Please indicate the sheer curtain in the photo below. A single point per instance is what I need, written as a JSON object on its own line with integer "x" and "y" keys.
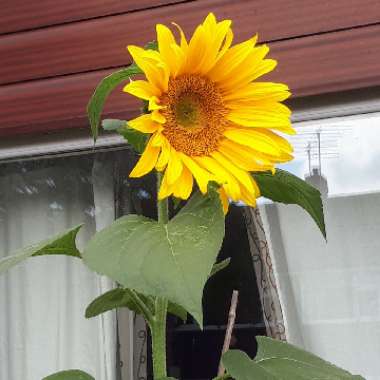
{"x": 42, "y": 301}
{"x": 330, "y": 292}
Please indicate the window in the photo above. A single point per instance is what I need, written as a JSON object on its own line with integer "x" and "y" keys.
{"x": 330, "y": 291}
{"x": 323, "y": 297}
{"x": 195, "y": 354}
{"x": 42, "y": 324}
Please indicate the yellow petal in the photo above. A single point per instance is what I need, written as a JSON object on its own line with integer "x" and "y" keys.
{"x": 249, "y": 198}
{"x": 197, "y": 46}
{"x": 184, "y": 185}
{"x": 231, "y": 59}
{"x": 163, "y": 159}
{"x": 203, "y": 46}
{"x": 158, "y": 116}
{"x": 201, "y": 175}
{"x": 154, "y": 104}
{"x": 241, "y": 175}
{"x": 209, "y": 22}
{"x": 221, "y": 174}
{"x": 158, "y": 140}
{"x": 165, "y": 189}
{"x": 166, "y": 46}
{"x": 255, "y": 107}
{"x": 242, "y": 156}
{"x": 262, "y": 68}
{"x": 281, "y": 142}
{"x": 156, "y": 71}
{"x": 144, "y": 123}
{"x": 184, "y": 44}
{"x": 250, "y": 68}
{"x": 224, "y": 200}
{"x": 141, "y": 89}
{"x": 258, "y": 91}
{"x": 257, "y": 117}
{"x": 226, "y": 45}
{"x": 174, "y": 168}
{"x": 253, "y": 139}
{"x": 146, "y": 162}
{"x": 181, "y": 59}
{"x": 219, "y": 33}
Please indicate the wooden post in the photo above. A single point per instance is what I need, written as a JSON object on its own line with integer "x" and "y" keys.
{"x": 230, "y": 326}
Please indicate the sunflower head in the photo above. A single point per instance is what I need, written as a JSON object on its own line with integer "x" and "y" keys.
{"x": 209, "y": 118}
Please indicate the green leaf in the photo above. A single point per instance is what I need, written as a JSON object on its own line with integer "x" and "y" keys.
{"x": 285, "y": 360}
{"x": 177, "y": 310}
{"x": 286, "y": 188}
{"x": 113, "y": 124}
{"x": 111, "y": 300}
{"x": 134, "y": 138}
{"x": 120, "y": 297}
{"x": 152, "y": 45}
{"x": 170, "y": 260}
{"x": 241, "y": 367}
{"x": 72, "y": 374}
{"x": 277, "y": 360}
{"x": 219, "y": 266}
{"x": 104, "y": 88}
{"x": 223, "y": 377}
{"x": 62, "y": 244}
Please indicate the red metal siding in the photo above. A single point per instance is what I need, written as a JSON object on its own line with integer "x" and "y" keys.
{"x": 49, "y": 73}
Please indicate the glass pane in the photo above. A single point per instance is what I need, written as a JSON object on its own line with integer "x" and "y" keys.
{"x": 42, "y": 300}
{"x": 195, "y": 354}
{"x": 331, "y": 291}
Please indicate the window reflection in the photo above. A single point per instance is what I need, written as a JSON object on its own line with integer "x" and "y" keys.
{"x": 330, "y": 292}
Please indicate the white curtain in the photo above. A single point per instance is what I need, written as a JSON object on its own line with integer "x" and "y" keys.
{"x": 330, "y": 293}
{"x": 42, "y": 301}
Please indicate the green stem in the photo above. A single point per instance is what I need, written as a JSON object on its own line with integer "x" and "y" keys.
{"x": 162, "y": 205}
{"x": 158, "y": 324}
{"x": 141, "y": 305}
{"x": 158, "y": 330}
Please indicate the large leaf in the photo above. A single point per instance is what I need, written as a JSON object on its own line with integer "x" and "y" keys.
{"x": 104, "y": 88}
{"x": 113, "y": 124}
{"x": 62, "y": 244}
{"x": 241, "y": 367}
{"x": 170, "y": 260}
{"x": 111, "y": 300}
{"x": 286, "y": 188}
{"x": 72, "y": 374}
{"x": 217, "y": 267}
{"x": 277, "y": 360}
{"x": 152, "y": 45}
{"x": 120, "y": 297}
{"x": 134, "y": 138}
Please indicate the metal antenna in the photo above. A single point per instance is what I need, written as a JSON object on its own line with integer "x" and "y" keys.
{"x": 308, "y": 149}
{"x": 319, "y": 151}
{"x": 316, "y": 141}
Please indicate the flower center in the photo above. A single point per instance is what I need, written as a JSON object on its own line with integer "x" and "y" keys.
{"x": 195, "y": 115}
{"x": 187, "y": 112}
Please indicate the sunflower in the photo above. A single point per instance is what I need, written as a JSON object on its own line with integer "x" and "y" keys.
{"x": 208, "y": 119}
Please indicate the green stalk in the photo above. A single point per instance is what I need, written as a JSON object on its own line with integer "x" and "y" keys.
{"x": 158, "y": 330}
{"x": 158, "y": 324}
